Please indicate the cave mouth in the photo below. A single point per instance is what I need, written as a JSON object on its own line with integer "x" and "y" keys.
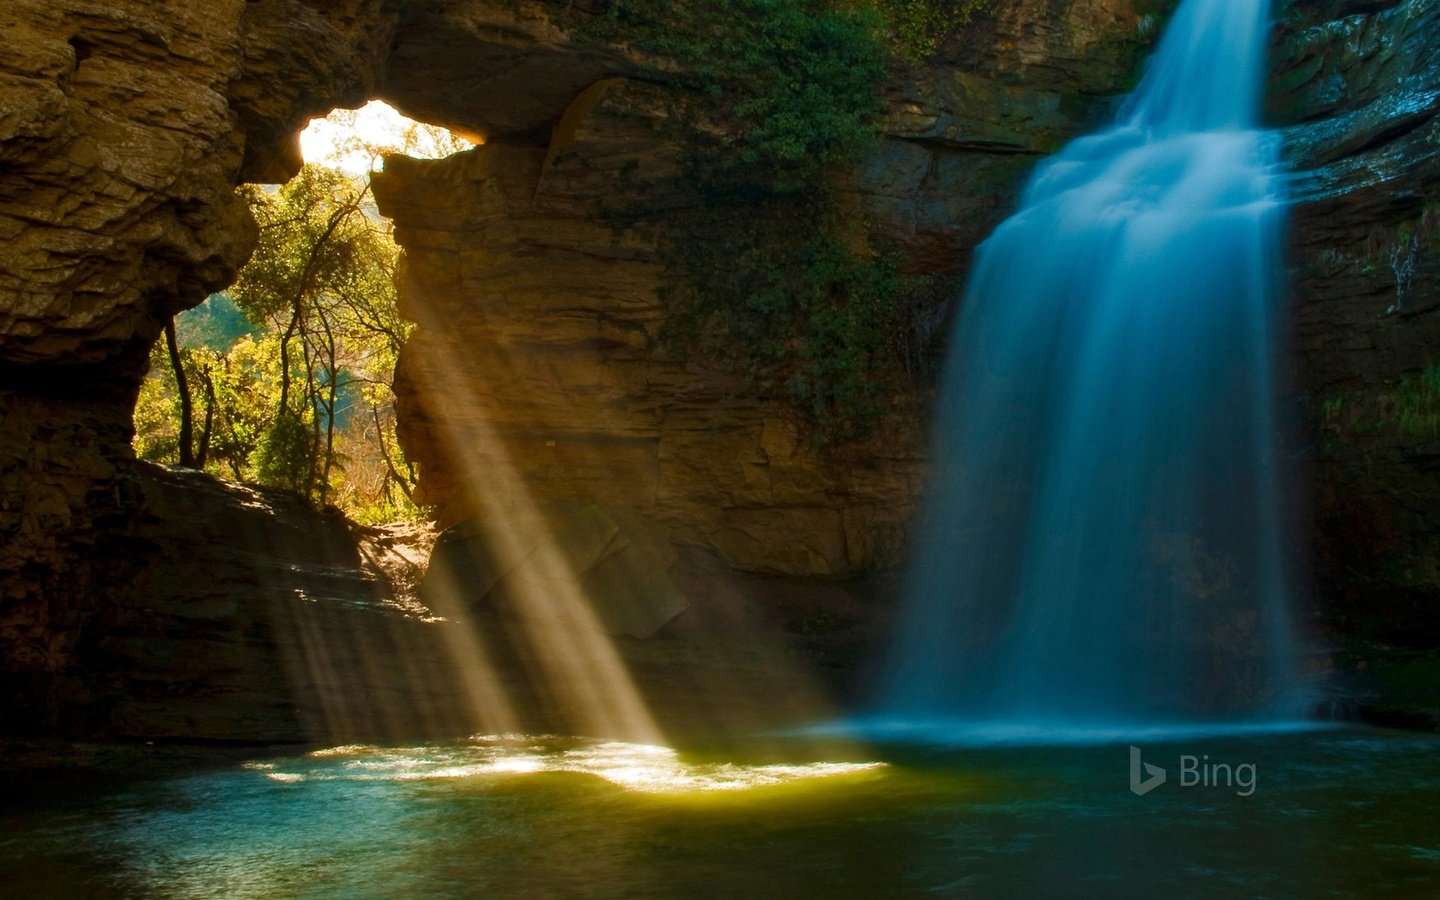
{"x": 283, "y": 378}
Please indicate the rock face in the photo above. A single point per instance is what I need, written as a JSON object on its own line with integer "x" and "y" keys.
{"x": 124, "y": 127}
{"x": 621, "y": 566}
{"x": 536, "y": 380}
{"x": 123, "y": 130}
{"x": 534, "y": 386}
{"x": 1359, "y": 88}
{"x": 246, "y": 616}
{"x": 230, "y": 614}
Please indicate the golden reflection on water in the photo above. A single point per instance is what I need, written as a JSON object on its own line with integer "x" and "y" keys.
{"x": 644, "y": 768}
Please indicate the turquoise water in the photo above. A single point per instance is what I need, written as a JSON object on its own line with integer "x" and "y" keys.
{"x": 1334, "y": 813}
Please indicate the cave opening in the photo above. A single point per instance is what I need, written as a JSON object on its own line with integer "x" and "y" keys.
{"x": 284, "y": 378}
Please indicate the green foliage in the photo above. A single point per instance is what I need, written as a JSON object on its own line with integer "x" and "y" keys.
{"x": 317, "y": 240}
{"x": 287, "y": 454}
{"x": 780, "y": 89}
{"x": 375, "y": 482}
{"x": 916, "y": 28}
{"x": 1417, "y": 404}
{"x": 234, "y": 393}
{"x": 157, "y": 412}
{"x": 241, "y": 385}
{"x": 322, "y": 281}
{"x": 848, "y": 307}
{"x": 773, "y": 281}
{"x": 804, "y": 82}
{"x": 1330, "y": 409}
{"x": 783, "y": 294}
{"x": 215, "y": 324}
{"x": 290, "y": 373}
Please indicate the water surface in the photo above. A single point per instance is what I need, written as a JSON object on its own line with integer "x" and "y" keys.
{"x": 1333, "y": 813}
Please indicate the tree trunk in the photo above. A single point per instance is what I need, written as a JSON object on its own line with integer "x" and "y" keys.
{"x": 203, "y": 452}
{"x": 313, "y": 404}
{"x": 400, "y": 480}
{"x": 187, "y": 412}
{"x": 284, "y": 404}
{"x": 331, "y": 392}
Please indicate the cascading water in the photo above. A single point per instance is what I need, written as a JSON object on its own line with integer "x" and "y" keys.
{"x": 1102, "y": 539}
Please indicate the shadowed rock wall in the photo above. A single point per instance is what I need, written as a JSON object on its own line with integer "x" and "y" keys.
{"x": 1357, "y": 86}
{"x": 124, "y": 127}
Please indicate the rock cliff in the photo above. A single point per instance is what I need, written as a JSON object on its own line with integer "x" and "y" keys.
{"x": 1357, "y": 88}
{"x": 537, "y": 379}
{"x": 124, "y": 127}
{"x": 535, "y": 385}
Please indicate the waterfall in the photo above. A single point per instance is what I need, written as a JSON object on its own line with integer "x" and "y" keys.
{"x": 1102, "y": 538}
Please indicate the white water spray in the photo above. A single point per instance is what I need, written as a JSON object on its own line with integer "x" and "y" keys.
{"x": 1102, "y": 542}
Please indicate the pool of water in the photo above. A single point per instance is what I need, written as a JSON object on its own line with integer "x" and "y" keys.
{"x": 1335, "y": 812}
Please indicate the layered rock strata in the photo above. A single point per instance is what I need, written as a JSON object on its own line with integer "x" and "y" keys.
{"x": 124, "y": 127}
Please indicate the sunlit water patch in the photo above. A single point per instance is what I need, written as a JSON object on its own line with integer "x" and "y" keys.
{"x": 639, "y": 767}
{"x": 1337, "y": 813}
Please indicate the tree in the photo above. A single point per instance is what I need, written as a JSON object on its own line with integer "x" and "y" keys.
{"x": 322, "y": 279}
{"x": 293, "y": 366}
{"x": 238, "y": 388}
{"x": 182, "y": 388}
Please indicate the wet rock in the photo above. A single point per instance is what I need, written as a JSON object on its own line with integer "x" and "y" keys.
{"x": 1357, "y": 89}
